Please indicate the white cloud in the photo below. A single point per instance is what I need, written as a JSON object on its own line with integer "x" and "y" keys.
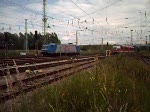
{"x": 65, "y": 13}
{"x": 35, "y": 6}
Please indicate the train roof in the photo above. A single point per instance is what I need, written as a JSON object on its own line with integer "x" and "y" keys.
{"x": 141, "y": 45}
{"x": 125, "y": 46}
{"x": 58, "y": 44}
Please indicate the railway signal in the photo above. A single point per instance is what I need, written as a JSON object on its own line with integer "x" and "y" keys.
{"x": 36, "y": 43}
{"x": 35, "y": 35}
{"x": 107, "y": 43}
{"x": 108, "y": 52}
{"x": 6, "y": 38}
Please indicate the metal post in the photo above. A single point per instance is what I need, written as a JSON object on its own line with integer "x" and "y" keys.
{"x": 36, "y": 43}
{"x": 131, "y": 38}
{"x": 60, "y": 51}
{"x": 141, "y": 17}
{"x": 77, "y": 36}
{"x": 102, "y": 44}
{"x": 146, "y": 40}
{"x": 149, "y": 43}
{"x": 26, "y": 42}
{"x": 6, "y": 45}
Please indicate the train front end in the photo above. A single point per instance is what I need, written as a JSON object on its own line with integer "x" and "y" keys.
{"x": 44, "y": 50}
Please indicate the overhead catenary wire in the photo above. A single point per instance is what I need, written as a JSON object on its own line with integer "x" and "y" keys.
{"x": 101, "y": 8}
{"x": 32, "y": 11}
{"x": 87, "y": 24}
{"x": 85, "y": 12}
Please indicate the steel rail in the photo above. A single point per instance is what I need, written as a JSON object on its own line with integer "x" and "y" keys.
{"x": 33, "y": 82}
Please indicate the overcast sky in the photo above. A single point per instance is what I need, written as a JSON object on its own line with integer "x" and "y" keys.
{"x": 111, "y": 20}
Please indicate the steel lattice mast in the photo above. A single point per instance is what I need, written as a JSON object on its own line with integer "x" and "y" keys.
{"x": 44, "y": 20}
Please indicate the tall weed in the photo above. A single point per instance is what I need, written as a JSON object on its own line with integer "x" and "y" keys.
{"x": 117, "y": 84}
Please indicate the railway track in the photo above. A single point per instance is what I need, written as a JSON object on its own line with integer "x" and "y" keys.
{"x": 9, "y": 63}
{"x": 146, "y": 59}
{"x": 25, "y": 78}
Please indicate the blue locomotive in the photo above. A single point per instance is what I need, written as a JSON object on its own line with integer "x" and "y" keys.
{"x": 60, "y": 49}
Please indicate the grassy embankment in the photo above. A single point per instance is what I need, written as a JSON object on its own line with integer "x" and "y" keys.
{"x": 118, "y": 84}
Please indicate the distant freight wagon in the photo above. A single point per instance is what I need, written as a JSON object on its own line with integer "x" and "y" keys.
{"x": 53, "y": 49}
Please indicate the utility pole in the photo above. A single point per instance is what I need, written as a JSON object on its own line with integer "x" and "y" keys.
{"x": 77, "y": 36}
{"x": 26, "y": 42}
{"x": 44, "y": 20}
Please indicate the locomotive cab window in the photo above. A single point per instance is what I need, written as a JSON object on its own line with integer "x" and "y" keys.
{"x": 44, "y": 46}
{"x": 116, "y": 47}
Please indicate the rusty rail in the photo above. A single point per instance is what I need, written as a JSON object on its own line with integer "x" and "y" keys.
{"x": 52, "y": 71}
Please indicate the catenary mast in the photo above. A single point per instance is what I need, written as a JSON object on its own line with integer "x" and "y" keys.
{"x": 44, "y": 20}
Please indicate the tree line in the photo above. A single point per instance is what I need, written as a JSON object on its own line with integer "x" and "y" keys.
{"x": 17, "y": 41}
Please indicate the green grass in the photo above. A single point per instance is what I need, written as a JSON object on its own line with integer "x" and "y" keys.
{"x": 118, "y": 84}
{"x": 145, "y": 52}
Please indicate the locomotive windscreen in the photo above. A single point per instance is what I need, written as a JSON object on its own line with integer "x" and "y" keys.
{"x": 45, "y": 47}
{"x": 116, "y": 47}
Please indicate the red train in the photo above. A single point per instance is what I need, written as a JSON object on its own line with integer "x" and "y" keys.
{"x": 122, "y": 48}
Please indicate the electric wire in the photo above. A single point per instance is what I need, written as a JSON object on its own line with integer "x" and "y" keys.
{"x": 93, "y": 13}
